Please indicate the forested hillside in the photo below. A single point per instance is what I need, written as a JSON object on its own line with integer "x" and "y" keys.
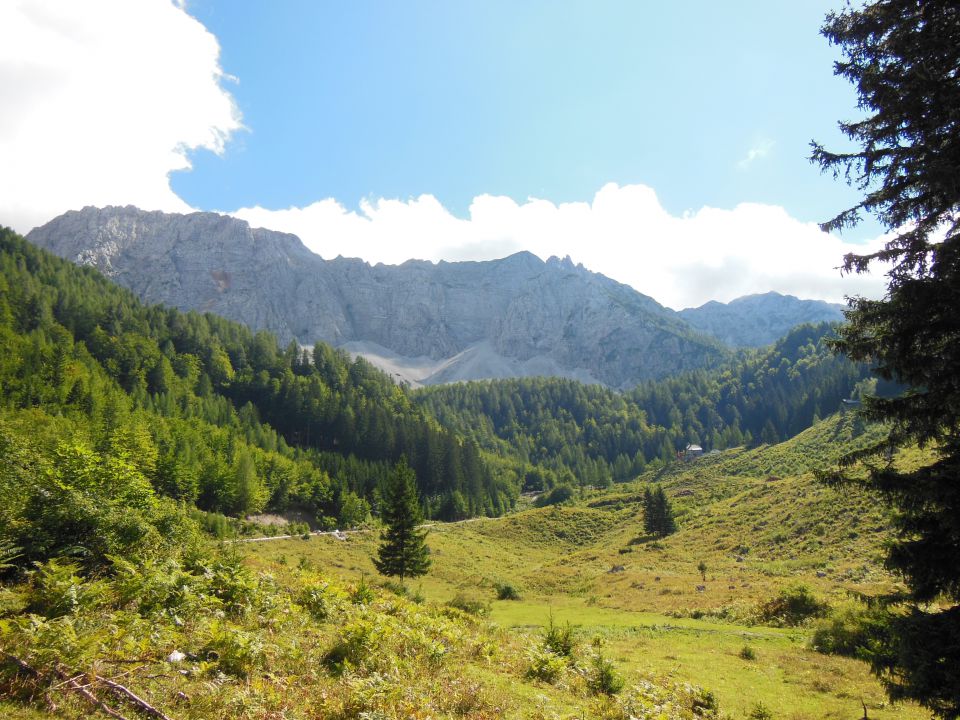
{"x": 596, "y": 435}
{"x": 208, "y": 412}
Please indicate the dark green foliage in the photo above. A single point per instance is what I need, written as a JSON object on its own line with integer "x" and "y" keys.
{"x": 553, "y": 431}
{"x": 183, "y": 401}
{"x": 853, "y": 631}
{"x": 902, "y": 56}
{"x": 657, "y": 513}
{"x": 556, "y": 496}
{"x": 403, "y": 551}
{"x": 793, "y": 606}
{"x": 506, "y": 591}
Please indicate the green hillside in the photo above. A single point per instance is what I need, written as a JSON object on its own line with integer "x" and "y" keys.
{"x": 759, "y": 534}
{"x": 209, "y": 412}
{"x": 127, "y": 431}
{"x": 300, "y": 628}
{"x": 562, "y": 431}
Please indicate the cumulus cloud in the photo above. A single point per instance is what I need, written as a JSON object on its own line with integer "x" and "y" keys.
{"x": 624, "y": 233}
{"x": 100, "y": 101}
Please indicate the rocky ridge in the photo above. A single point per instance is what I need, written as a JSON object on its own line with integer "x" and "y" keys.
{"x": 758, "y": 320}
{"x": 514, "y": 316}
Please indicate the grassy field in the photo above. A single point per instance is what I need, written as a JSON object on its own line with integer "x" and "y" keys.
{"x": 304, "y": 629}
{"x": 757, "y": 519}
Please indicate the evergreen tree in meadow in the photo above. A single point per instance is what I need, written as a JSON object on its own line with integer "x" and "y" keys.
{"x": 904, "y": 58}
{"x": 403, "y": 551}
{"x": 657, "y": 513}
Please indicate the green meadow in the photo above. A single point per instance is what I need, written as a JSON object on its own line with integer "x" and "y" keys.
{"x": 758, "y": 521}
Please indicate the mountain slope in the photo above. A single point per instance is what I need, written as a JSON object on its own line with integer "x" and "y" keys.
{"x": 758, "y": 320}
{"x": 518, "y": 315}
{"x": 764, "y": 395}
{"x": 198, "y": 392}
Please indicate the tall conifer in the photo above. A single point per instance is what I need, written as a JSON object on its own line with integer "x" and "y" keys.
{"x": 403, "y": 551}
{"x": 904, "y": 58}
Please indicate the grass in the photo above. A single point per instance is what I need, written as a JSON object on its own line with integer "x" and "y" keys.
{"x": 756, "y": 518}
{"x": 309, "y": 644}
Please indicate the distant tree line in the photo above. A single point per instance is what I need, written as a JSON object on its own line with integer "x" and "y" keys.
{"x": 558, "y": 431}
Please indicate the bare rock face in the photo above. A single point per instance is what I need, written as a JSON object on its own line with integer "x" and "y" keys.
{"x": 518, "y": 315}
{"x": 758, "y": 320}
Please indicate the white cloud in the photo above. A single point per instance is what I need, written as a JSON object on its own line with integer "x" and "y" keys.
{"x": 100, "y": 101}
{"x": 758, "y": 151}
{"x": 624, "y": 233}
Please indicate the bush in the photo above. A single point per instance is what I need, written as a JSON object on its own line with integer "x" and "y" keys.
{"x": 603, "y": 679}
{"x": 546, "y": 665}
{"x": 56, "y": 589}
{"x": 792, "y": 607}
{"x": 236, "y": 652}
{"x": 705, "y": 704}
{"x": 352, "y": 648}
{"x": 559, "y": 640}
{"x": 747, "y": 653}
{"x": 317, "y": 600}
{"x": 506, "y": 591}
{"x": 853, "y": 631}
{"x": 362, "y": 593}
{"x": 760, "y": 712}
{"x": 469, "y": 605}
{"x": 560, "y": 494}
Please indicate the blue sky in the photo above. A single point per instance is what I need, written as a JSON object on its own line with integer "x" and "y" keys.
{"x": 662, "y": 144}
{"x": 545, "y": 99}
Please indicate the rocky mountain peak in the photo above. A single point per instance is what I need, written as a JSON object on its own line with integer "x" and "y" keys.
{"x": 514, "y": 316}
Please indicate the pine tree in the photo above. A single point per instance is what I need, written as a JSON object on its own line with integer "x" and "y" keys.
{"x": 657, "y": 513}
{"x": 403, "y": 551}
{"x": 666, "y": 525}
{"x": 649, "y": 522}
{"x": 903, "y": 56}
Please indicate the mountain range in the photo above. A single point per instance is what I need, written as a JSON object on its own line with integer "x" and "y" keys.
{"x": 424, "y": 323}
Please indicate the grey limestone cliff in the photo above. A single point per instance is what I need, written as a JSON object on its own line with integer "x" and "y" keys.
{"x": 757, "y": 320}
{"x": 515, "y": 316}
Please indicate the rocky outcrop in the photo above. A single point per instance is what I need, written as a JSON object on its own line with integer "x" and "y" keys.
{"x": 758, "y": 320}
{"x": 518, "y": 315}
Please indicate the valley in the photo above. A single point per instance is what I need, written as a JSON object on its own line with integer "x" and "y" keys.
{"x": 645, "y": 600}
{"x": 137, "y": 438}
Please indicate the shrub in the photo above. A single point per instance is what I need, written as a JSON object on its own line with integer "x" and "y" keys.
{"x": 760, "y": 712}
{"x": 603, "y": 679}
{"x": 469, "y": 605}
{"x": 793, "y": 606}
{"x": 705, "y": 704}
{"x": 56, "y": 589}
{"x": 546, "y": 665}
{"x": 352, "y": 648}
{"x": 853, "y": 631}
{"x": 747, "y": 653}
{"x": 506, "y": 591}
{"x": 560, "y": 494}
{"x": 362, "y": 593}
{"x": 317, "y": 600}
{"x": 236, "y": 652}
{"x": 559, "y": 640}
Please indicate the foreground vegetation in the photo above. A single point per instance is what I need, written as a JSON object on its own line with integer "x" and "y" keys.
{"x": 557, "y": 612}
{"x": 785, "y": 560}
